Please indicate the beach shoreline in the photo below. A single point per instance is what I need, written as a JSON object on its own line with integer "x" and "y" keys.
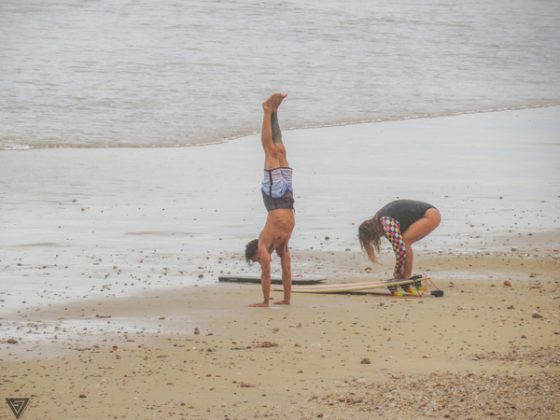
{"x": 110, "y": 259}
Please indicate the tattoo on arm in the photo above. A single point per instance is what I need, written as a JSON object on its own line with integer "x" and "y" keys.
{"x": 276, "y": 133}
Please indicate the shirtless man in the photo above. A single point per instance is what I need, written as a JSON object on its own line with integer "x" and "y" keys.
{"x": 278, "y": 199}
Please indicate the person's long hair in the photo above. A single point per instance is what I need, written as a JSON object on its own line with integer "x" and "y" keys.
{"x": 370, "y": 233}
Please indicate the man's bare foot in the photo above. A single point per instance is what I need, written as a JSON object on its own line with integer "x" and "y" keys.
{"x": 272, "y": 103}
{"x": 259, "y": 305}
{"x": 282, "y": 302}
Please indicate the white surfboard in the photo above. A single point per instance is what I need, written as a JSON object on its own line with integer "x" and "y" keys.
{"x": 349, "y": 287}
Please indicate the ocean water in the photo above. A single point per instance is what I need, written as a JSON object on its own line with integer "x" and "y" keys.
{"x": 123, "y": 73}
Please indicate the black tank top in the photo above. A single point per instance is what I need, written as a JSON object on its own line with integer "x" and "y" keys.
{"x": 406, "y": 212}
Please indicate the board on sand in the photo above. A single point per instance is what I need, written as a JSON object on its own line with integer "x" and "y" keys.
{"x": 275, "y": 280}
{"x": 351, "y": 287}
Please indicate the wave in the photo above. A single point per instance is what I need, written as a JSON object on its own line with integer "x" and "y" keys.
{"x": 239, "y": 133}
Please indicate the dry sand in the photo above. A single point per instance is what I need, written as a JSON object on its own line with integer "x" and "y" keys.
{"x": 485, "y": 349}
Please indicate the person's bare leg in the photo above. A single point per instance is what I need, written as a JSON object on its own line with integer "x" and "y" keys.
{"x": 271, "y": 136}
{"x": 409, "y": 261}
{"x": 277, "y": 140}
{"x": 274, "y": 101}
{"x": 418, "y": 230}
{"x": 276, "y": 133}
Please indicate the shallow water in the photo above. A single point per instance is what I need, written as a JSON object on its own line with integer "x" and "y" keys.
{"x": 141, "y": 73}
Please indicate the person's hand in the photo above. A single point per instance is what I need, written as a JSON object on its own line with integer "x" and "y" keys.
{"x": 259, "y": 305}
{"x": 282, "y": 302}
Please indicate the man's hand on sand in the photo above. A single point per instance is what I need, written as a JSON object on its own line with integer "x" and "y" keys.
{"x": 266, "y": 305}
{"x": 259, "y": 305}
{"x": 272, "y": 103}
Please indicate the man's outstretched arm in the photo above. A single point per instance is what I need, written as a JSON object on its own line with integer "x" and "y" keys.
{"x": 286, "y": 262}
{"x": 264, "y": 260}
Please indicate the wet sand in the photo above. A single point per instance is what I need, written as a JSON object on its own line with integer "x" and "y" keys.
{"x": 489, "y": 348}
{"x": 110, "y": 258}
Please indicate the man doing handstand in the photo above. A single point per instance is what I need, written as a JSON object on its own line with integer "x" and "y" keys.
{"x": 278, "y": 199}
